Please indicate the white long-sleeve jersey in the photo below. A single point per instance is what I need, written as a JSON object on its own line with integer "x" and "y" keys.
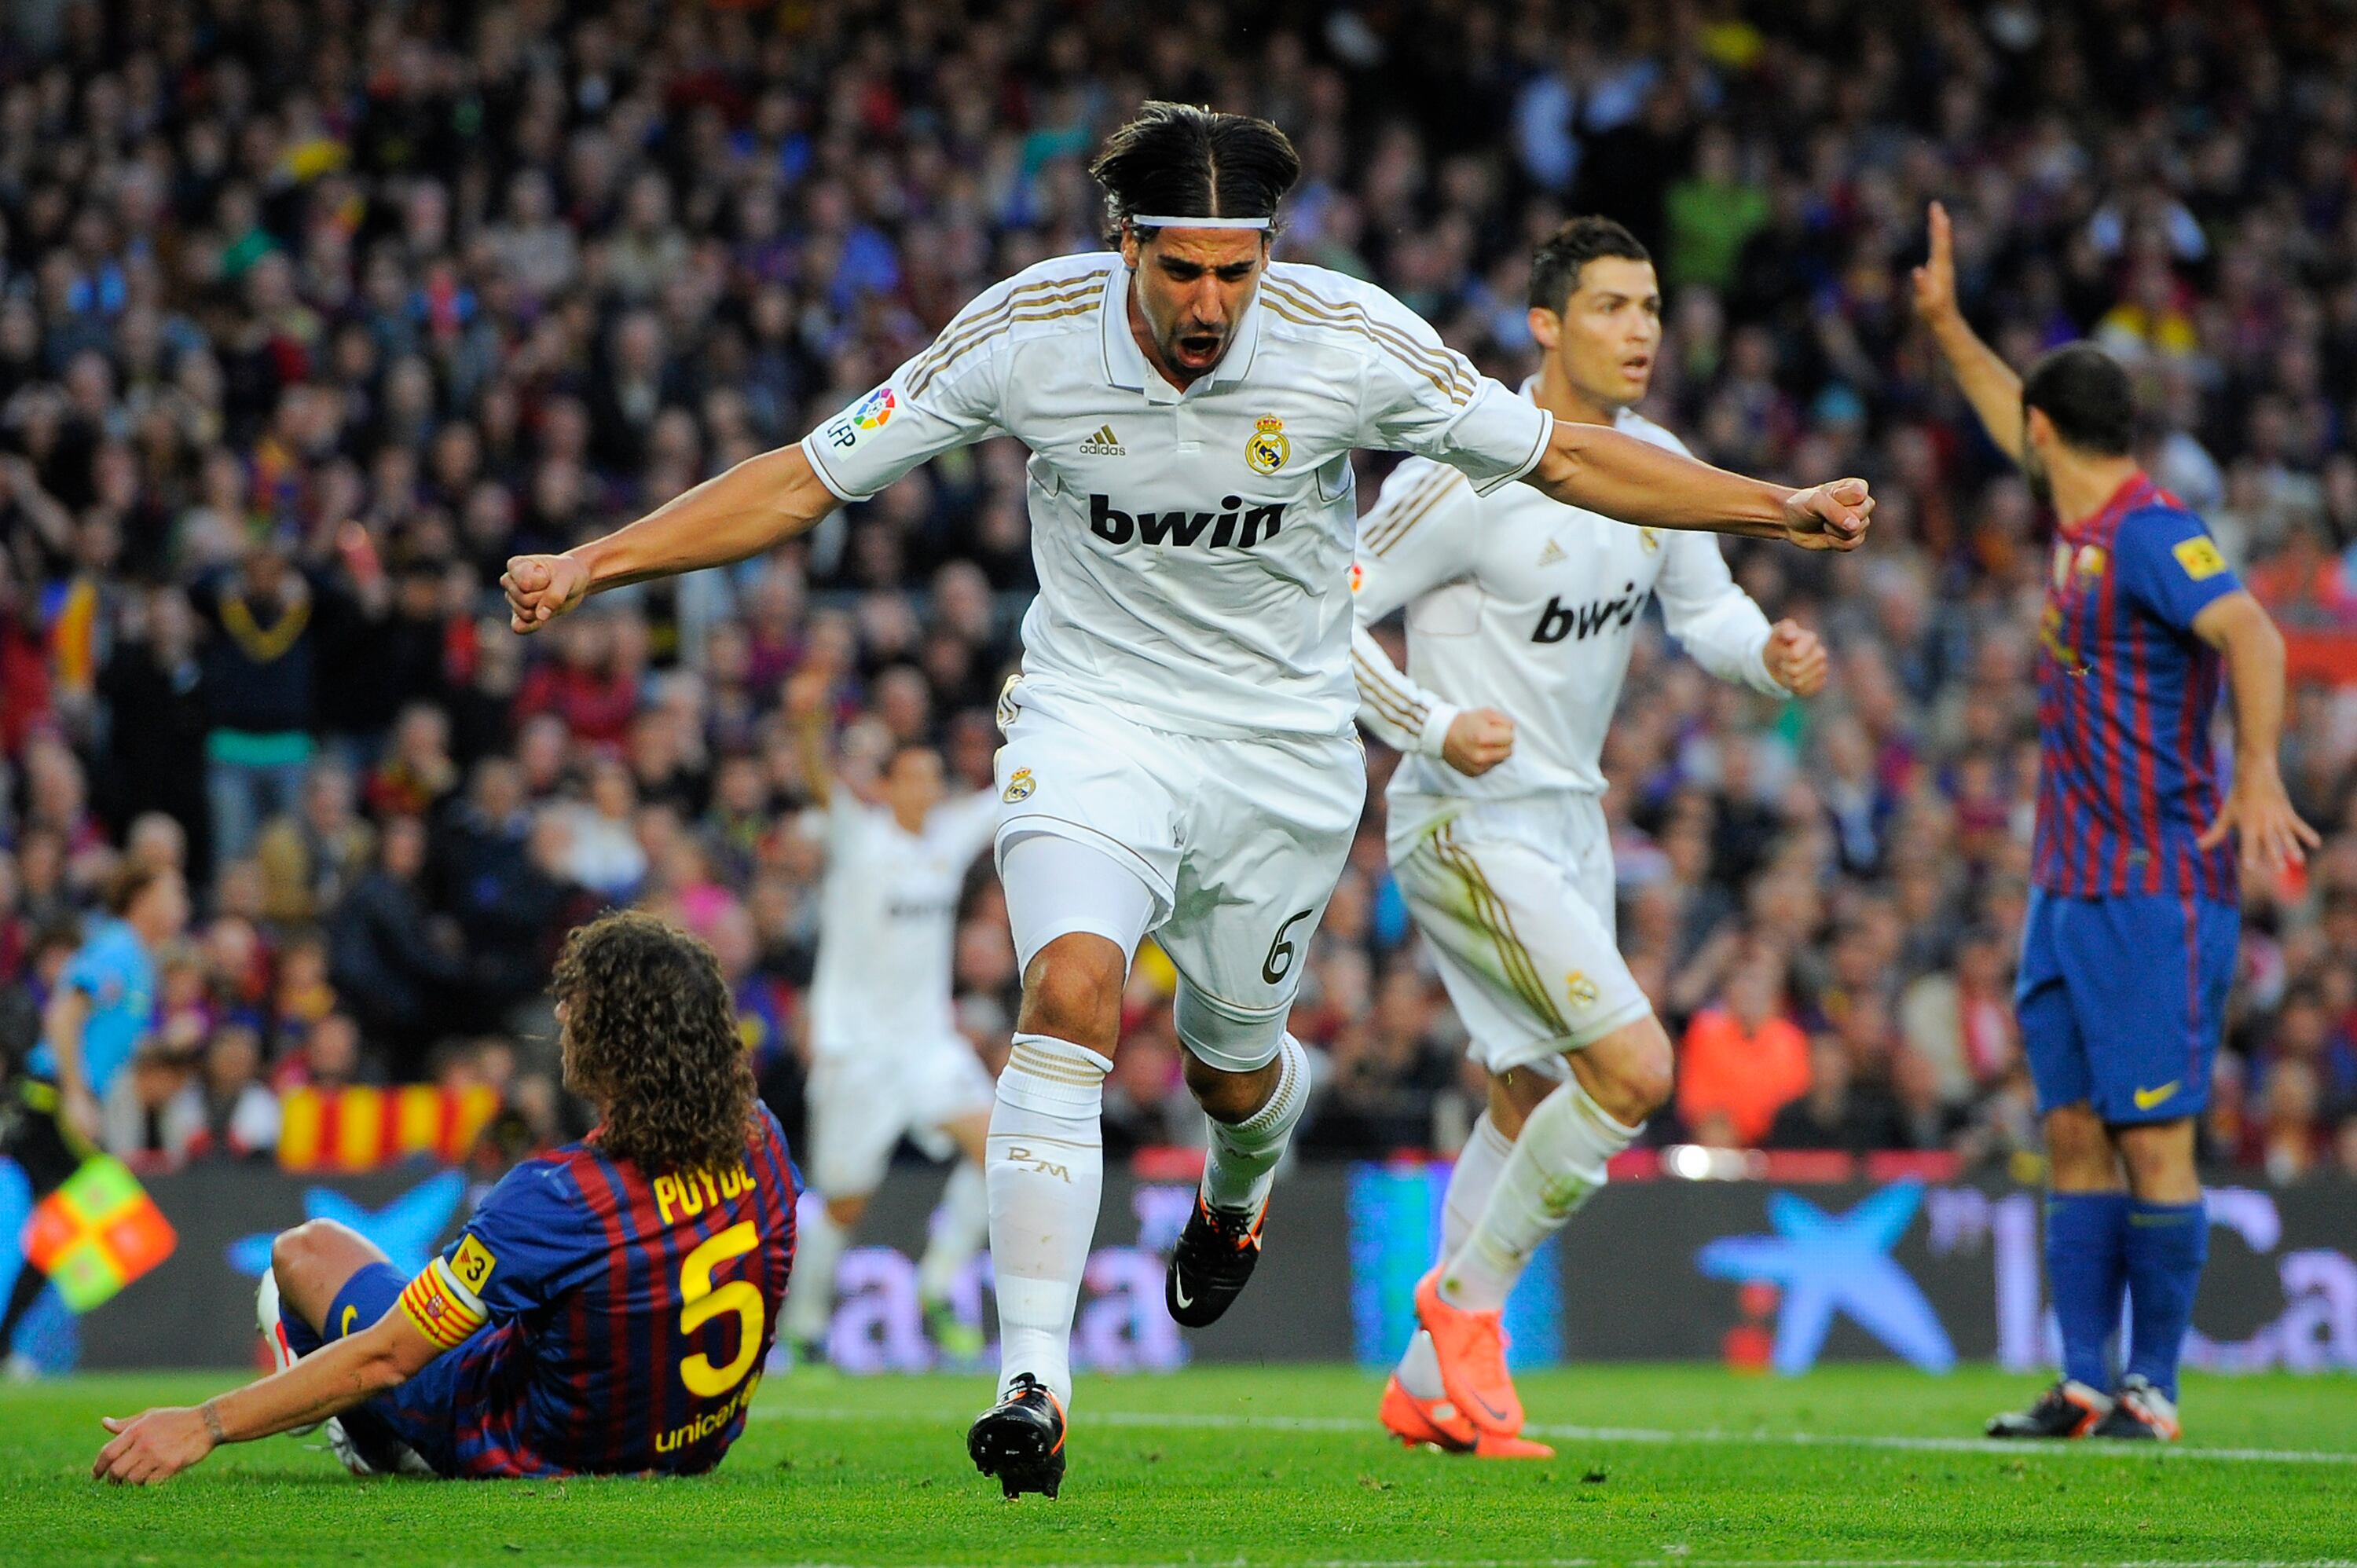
{"x": 1191, "y": 546}
{"x": 1520, "y": 603}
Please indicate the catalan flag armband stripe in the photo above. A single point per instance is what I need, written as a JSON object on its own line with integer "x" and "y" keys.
{"x": 443, "y": 1310}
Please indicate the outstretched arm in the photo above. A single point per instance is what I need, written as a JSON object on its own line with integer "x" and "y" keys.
{"x": 729, "y": 517}
{"x": 2256, "y": 806}
{"x": 1637, "y": 482}
{"x": 156, "y": 1445}
{"x": 1988, "y": 383}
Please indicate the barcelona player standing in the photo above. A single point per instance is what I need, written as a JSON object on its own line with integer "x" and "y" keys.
{"x": 2129, "y": 946}
{"x": 607, "y": 1309}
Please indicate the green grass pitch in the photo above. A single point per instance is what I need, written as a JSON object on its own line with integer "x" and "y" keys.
{"x": 1677, "y": 1465}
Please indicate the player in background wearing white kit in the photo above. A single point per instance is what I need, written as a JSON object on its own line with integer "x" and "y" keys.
{"x": 1497, "y": 830}
{"x": 886, "y": 1055}
{"x": 1180, "y": 757}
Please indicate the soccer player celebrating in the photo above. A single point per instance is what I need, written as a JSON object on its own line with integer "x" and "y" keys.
{"x": 886, "y": 1054}
{"x": 1179, "y": 756}
{"x": 1497, "y": 836}
{"x": 104, "y": 1005}
{"x": 2129, "y": 945}
{"x": 607, "y": 1309}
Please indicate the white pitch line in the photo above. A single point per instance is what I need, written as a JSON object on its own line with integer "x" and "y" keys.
{"x": 1220, "y": 1421}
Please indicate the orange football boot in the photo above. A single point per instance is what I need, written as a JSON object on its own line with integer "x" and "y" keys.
{"x": 1417, "y": 1423}
{"x": 1472, "y": 1347}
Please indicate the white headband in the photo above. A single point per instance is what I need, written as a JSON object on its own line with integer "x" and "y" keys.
{"x": 1140, "y": 220}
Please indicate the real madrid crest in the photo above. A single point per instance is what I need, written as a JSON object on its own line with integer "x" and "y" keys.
{"x": 1267, "y": 448}
{"x": 1018, "y": 786}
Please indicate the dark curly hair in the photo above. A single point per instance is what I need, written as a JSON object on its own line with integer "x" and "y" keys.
{"x": 651, "y": 1034}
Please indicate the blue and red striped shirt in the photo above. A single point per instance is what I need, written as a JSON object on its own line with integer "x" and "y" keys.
{"x": 610, "y": 1321}
{"x": 2128, "y": 772}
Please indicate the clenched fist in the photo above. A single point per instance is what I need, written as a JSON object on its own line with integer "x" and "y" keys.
{"x": 541, "y": 588}
{"x": 1828, "y": 517}
{"x": 1478, "y": 740}
{"x": 1796, "y": 658}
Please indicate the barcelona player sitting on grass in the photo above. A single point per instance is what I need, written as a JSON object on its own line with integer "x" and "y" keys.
{"x": 607, "y": 1308}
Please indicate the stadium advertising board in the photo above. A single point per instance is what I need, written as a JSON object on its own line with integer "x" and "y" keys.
{"x": 1757, "y": 1275}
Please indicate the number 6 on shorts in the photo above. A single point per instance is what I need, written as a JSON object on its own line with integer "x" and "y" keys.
{"x": 1279, "y": 962}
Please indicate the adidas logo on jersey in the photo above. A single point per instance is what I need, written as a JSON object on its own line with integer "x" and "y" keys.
{"x": 1551, "y": 555}
{"x": 1560, "y": 621}
{"x": 1235, "y": 524}
{"x": 1104, "y": 443}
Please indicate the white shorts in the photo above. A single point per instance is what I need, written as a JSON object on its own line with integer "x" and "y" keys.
{"x": 1239, "y": 842}
{"x": 863, "y": 1101}
{"x": 1516, "y": 898}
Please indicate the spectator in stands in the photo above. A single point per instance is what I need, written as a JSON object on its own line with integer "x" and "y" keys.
{"x": 1959, "y": 1019}
{"x": 393, "y": 960}
{"x": 1742, "y": 1058}
{"x": 260, "y": 668}
{"x": 1839, "y": 1110}
{"x": 268, "y": 432}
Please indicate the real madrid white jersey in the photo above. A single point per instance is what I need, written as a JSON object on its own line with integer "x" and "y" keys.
{"x": 1523, "y": 604}
{"x": 888, "y": 922}
{"x": 1193, "y": 548}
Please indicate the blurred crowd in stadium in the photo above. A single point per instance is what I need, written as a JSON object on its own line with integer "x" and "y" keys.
{"x": 314, "y": 313}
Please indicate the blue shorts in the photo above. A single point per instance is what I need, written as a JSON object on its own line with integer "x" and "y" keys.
{"x": 423, "y": 1413}
{"x": 2121, "y": 1000}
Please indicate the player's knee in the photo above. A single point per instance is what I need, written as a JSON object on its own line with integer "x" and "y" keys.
{"x": 1227, "y": 1096}
{"x": 2159, "y": 1162}
{"x": 2079, "y": 1154}
{"x": 1631, "y": 1073}
{"x": 304, "y": 1252}
{"x": 1230, "y": 1052}
{"x": 1073, "y": 991}
{"x": 845, "y": 1211}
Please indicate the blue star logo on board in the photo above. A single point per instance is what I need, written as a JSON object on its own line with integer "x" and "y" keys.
{"x": 1826, "y": 1263}
{"x": 406, "y": 1229}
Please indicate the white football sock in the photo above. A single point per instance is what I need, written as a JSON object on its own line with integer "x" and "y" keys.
{"x": 1045, "y": 1174}
{"x": 1556, "y": 1164}
{"x": 1470, "y": 1184}
{"x": 1241, "y": 1165}
{"x": 819, "y": 1246}
{"x": 960, "y": 1225}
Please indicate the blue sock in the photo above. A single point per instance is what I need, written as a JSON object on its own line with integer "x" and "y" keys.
{"x": 2086, "y": 1266}
{"x": 2166, "y": 1245}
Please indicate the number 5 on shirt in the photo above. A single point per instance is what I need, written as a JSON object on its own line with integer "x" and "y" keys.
{"x": 701, "y": 1302}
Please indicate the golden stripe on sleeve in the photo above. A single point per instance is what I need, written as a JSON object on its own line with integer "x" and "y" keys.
{"x": 1459, "y": 385}
{"x": 1389, "y": 700}
{"x": 961, "y": 335}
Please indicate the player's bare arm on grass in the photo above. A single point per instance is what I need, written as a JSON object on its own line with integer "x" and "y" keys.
{"x": 1988, "y": 383}
{"x": 729, "y": 517}
{"x": 1637, "y": 482}
{"x": 1796, "y": 658}
{"x": 2256, "y": 808}
{"x": 156, "y": 1445}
